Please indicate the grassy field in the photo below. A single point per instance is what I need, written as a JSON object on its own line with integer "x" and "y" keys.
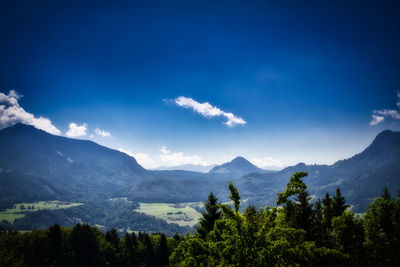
{"x": 182, "y": 214}
{"x": 19, "y": 210}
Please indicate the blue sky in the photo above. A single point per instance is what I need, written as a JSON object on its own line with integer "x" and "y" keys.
{"x": 305, "y": 79}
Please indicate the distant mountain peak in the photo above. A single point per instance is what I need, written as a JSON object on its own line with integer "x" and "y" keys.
{"x": 240, "y": 159}
{"x": 237, "y": 166}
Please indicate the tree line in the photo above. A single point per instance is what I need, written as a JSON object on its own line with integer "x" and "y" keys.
{"x": 298, "y": 231}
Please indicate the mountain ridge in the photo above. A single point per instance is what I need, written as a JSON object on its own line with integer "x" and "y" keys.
{"x": 71, "y": 169}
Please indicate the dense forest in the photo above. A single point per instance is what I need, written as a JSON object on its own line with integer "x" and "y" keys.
{"x": 298, "y": 231}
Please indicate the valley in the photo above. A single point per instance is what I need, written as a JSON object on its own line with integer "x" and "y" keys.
{"x": 183, "y": 214}
{"x": 69, "y": 181}
{"x": 19, "y": 210}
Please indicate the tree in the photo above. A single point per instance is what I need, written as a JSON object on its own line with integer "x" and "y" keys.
{"x": 112, "y": 237}
{"x": 382, "y": 231}
{"x": 163, "y": 251}
{"x": 348, "y": 237}
{"x": 55, "y": 244}
{"x": 148, "y": 250}
{"x": 209, "y": 216}
{"x": 304, "y": 213}
{"x": 338, "y": 203}
{"x": 319, "y": 231}
{"x": 327, "y": 210}
{"x": 85, "y": 245}
{"x": 293, "y": 187}
{"x": 298, "y": 213}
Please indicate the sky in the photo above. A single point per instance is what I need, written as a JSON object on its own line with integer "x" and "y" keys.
{"x": 201, "y": 82}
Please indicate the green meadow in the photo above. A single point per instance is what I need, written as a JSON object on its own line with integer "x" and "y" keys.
{"x": 182, "y": 214}
{"x": 19, "y": 210}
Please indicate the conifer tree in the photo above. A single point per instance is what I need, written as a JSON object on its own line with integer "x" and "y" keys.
{"x": 327, "y": 210}
{"x": 338, "y": 204}
{"x": 209, "y": 216}
{"x": 163, "y": 251}
{"x": 303, "y": 213}
{"x": 112, "y": 237}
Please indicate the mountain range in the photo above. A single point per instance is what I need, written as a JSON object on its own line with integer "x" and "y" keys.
{"x": 187, "y": 167}
{"x": 35, "y": 165}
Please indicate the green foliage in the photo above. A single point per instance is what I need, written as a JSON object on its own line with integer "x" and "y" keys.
{"x": 234, "y": 196}
{"x": 382, "y": 231}
{"x": 83, "y": 245}
{"x": 294, "y": 187}
{"x": 296, "y": 234}
{"x": 209, "y": 216}
{"x": 339, "y": 203}
{"x": 348, "y": 236}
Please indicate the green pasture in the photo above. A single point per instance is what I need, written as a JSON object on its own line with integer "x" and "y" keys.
{"x": 182, "y": 214}
{"x": 19, "y": 210}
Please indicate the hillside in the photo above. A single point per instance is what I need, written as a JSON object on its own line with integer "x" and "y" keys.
{"x": 361, "y": 177}
{"x": 35, "y": 165}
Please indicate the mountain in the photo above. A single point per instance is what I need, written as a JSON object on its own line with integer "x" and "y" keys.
{"x": 360, "y": 178}
{"x": 238, "y": 166}
{"x": 35, "y": 165}
{"x": 187, "y": 167}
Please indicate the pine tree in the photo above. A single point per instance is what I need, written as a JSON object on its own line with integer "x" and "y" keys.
{"x": 303, "y": 213}
{"x": 148, "y": 250}
{"x": 338, "y": 204}
{"x": 112, "y": 237}
{"x": 327, "y": 210}
{"x": 55, "y": 243}
{"x": 163, "y": 251}
{"x": 209, "y": 216}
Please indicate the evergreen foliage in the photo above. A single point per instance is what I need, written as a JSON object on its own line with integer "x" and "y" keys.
{"x": 295, "y": 233}
{"x": 209, "y": 216}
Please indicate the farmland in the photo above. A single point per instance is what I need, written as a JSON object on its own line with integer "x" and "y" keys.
{"x": 183, "y": 214}
{"x": 19, "y": 210}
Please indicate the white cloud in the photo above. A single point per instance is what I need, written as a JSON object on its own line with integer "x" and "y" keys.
{"x": 267, "y": 162}
{"x": 164, "y": 150}
{"x": 102, "y": 133}
{"x": 209, "y": 111}
{"x": 376, "y": 119}
{"x": 171, "y": 159}
{"x": 76, "y": 130}
{"x": 388, "y": 113}
{"x": 12, "y": 113}
{"x": 378, "y": 116}
{"x": 142, "y": 158}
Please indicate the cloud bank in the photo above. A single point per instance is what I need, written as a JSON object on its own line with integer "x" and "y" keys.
{"x": 12, "y": 113}
{"x": 76, "y": 130}
{"x": 376, "y": 119}
{"x": 267, "y": 162}
{"x": 209, "y": 111}
{"x": 142, "y": 158}
{"x": 171, "y": 159}
{"x": 102, "y": 133}
{"x": 379, "y": 116}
